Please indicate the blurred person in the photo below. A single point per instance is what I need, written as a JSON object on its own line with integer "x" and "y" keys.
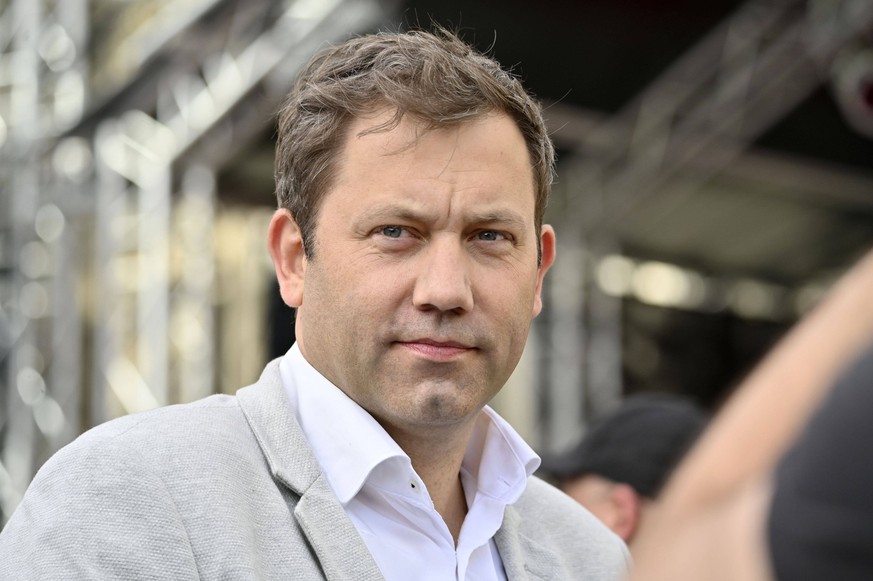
{"x": 412, "y": 173}
{"x": 779, "y": 486}
{"x": 820, "y": 519}
{"x": 618, "y": 468}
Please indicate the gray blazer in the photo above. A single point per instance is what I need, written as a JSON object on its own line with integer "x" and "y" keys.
{"x": 228, "y": 488}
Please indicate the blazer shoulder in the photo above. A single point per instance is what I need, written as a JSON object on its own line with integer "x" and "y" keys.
{"x": 200, "y": 434}
{"x": 100, "y": 509}
{"x": 556, "y": 519}
{"x": 164, "y": 421}
{"x": 542, "y": 496}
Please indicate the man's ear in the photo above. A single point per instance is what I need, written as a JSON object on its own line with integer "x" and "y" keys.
{"x": 285, "y": 242}
{"x": 548, "y": 244}
{"x": 626, "y": 505}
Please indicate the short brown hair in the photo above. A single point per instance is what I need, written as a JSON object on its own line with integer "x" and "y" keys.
{"x": 436, "y": 78}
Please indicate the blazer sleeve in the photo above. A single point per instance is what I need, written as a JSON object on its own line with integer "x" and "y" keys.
{"x": 95, "y": 511}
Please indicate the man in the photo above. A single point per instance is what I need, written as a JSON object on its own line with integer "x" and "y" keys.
{"x": 617, "y": 470}
{"x": 412, "y": 174}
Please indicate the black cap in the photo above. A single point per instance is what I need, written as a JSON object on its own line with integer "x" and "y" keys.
{"x": 639, "y": 443}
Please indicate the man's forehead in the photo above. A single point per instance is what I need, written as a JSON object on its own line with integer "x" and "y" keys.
{"x": 403, "y": 130}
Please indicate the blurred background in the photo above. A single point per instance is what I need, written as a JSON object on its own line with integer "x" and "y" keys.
{"x": 715, "y": 176}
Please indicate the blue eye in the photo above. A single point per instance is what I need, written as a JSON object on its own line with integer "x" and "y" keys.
{"x": 490, "y": 235}
{"x": 392, "y": 231}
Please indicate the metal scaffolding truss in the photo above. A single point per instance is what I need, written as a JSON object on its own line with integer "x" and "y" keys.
{"x": 107, "y": 156}
{"x": 42, "y": 72}
{"x": 754, "y": 68}
{"x": 187, "y": 103}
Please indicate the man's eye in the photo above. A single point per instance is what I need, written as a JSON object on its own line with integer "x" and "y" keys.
{"x": 490, "y": 236}
{"x": 392, "y": 231}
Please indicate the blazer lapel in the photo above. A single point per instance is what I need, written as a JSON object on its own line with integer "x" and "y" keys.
{"x": 341, "y": 551}
{"x": 281, "y": 439}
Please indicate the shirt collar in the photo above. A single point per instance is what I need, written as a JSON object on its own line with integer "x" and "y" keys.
{"x": 350, "y": 444}
{"x": 498, "y": 461}
{"x": 347, "y": 442}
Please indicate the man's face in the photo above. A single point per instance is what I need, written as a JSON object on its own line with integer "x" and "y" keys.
{"x": 424, "y": 279}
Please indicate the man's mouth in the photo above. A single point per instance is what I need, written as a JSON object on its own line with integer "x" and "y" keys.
{"x": 436, "y": 349}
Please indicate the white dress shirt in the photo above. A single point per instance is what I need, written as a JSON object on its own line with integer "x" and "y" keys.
{"x": 387, "y": 501}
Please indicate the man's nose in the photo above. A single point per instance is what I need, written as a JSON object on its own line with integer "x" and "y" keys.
{"x": 443, "y": 278}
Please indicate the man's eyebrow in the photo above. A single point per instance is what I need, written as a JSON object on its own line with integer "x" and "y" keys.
{"x": 410, "y": 212}
{"x": 507, "y": 217}
{"x": 394, "y": 211}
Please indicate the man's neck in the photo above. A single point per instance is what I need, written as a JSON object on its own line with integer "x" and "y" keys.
{"x": 437, "y": 459}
